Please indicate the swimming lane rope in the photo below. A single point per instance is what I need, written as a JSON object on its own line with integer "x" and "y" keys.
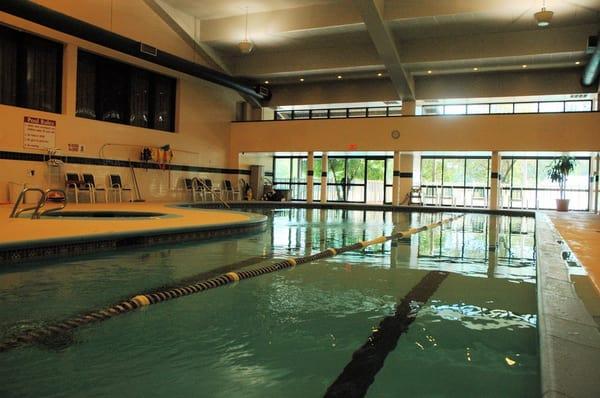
{"x": 44, "y": 333}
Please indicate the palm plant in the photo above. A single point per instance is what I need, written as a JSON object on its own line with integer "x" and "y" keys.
{"x": 559, "y": 170}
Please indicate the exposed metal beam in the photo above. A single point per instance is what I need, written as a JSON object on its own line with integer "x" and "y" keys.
{"x": 372, "y": 14}
{"x": 186, "y": 27}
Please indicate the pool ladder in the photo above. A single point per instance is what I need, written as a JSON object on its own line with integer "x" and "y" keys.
{"x": 37, "y": 209}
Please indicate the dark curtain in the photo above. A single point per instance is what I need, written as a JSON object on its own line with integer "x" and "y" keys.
{"x": 139, "y": 103}
{"x": 164, "y": 103}
{"x": 86, "y": 85}
{"x": 113, "y": 91}
{"x": 43, "y": 66}
{"x": 8, "y": 67}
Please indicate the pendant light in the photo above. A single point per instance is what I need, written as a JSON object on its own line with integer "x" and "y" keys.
{"x": 544, "y": 16}
{"x": 246, "y": 46}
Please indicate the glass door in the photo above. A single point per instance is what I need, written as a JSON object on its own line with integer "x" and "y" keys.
{"x": 375, "y": 181}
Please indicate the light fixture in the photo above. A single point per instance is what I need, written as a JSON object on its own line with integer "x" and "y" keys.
{"x": 266, "y": 82}
{"x": 544, "y": 16}
{"x": 475, "y": 69}
{"x": 524, "y": 66}
{"x": 379, "y": 74}
{"x": 429, "y": 72}
{"x": 301, "y": 79}
{"x": 339, "y": 76}
{"x": 577, "y": 62}
{"x": 246, "y": 46}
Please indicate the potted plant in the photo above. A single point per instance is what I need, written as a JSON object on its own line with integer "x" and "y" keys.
{"x": 558, "y": 171}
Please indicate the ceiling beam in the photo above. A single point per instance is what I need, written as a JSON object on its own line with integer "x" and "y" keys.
{"x": 531, "y": 47}
{"x": 372, "y": 14}
{"x": 186, "y": 27}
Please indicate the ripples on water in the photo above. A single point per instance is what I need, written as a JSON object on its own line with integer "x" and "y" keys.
{"x": 292, "y": 332}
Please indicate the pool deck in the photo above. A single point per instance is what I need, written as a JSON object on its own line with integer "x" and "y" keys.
{"x": 581, "y": 231}
{"x": 24, "y": 233}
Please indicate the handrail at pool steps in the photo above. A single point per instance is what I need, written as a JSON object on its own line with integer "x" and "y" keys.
{"x": 209, "y": 189}
{"x": 44, "y": 196}
{"x": 142, "y": 300}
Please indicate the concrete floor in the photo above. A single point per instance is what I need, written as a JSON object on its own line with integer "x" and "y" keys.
{"x": 20, "y": 230}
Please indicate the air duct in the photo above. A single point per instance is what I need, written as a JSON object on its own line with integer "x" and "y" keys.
{"x": 63, "y": 23}
{"x": 590, "y": 73}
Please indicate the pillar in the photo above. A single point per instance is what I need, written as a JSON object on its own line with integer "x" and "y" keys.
{"x": 324, "y": 167}
{"x": 492, "y": 244}
{"x": 406, "y": 176}
{"x": 396, "y": 180}
{"x": 594, "y": 183}
{"x": 310, "y": 177}
{"x": 495, "y": 191}
{"x": 408, "y": 108}
{"x": 69, "y": 81}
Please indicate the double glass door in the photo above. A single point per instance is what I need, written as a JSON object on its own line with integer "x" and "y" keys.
{"x": 357, "y": 180}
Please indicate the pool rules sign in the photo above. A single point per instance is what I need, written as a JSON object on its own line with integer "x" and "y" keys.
{"x": 39, "y": 133}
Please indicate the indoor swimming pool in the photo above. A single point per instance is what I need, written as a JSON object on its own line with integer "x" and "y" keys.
{"x": 301, "y": 332}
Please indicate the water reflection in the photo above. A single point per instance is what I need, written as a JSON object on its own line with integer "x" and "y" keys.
{"x": 477, "y": 244}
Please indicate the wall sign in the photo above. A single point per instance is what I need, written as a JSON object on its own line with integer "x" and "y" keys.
{"x": 39, "y": 133}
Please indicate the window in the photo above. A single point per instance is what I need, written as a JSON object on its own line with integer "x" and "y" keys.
{"x": 115, "y": 92}
{"x": 525, "y": 184}
{"x": 30, "y": 71}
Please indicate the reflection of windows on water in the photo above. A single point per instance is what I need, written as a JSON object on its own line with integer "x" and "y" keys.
{"x": 481, "y": 318}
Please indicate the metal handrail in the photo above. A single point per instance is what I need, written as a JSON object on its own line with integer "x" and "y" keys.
{"x": 16, "y": 211}
{"x": 206, "y": 187}
{"x": 60, "y": 207}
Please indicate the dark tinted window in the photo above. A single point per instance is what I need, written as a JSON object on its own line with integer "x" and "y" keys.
{"x": 116, "y": 92}
{"x": 30, "y": 71}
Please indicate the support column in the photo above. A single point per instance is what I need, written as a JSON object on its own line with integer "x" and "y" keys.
{"x": 495, "y": 190}
{"x": 408, "y": 107}
{"x": 310, "y": 177}
{"x": 396, "y": 180}
{"x": 406, "y": 176}
{"x": 594, "y": 183}
{"x": 492, "y": 244}
{"x": 324, "y": 167}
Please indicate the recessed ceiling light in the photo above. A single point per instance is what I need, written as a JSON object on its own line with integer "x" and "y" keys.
{"x": 524, "y": 66}
{"x": 379, "y": 74}
{"x": 301, "y": 79}
{"x": 429, "y": 72}
{"x": 266, "y": 82}
{"x": 339, "y": 76}
{"x": 475, "y": 68}
{"x": 577, "y": 62}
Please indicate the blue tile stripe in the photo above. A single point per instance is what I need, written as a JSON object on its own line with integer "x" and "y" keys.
{"x": 38, "y": 157}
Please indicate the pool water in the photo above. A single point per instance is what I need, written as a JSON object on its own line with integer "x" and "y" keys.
{"x": 290, "y": 333}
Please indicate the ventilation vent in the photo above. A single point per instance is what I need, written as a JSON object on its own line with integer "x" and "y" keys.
{"x": 391, "y": 102}
{"x": 146, "y": 49}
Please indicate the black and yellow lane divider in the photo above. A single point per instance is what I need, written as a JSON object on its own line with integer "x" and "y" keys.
{"x": 146, "y": 299}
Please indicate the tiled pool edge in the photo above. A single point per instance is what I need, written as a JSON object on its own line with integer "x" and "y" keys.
{"x": 77, "y": 246}
{"x": 569, "y": 337}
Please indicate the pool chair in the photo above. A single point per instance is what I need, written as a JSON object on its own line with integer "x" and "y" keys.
{"x": 430, "y": 196}
{"x": 211, "y": 190}
{"x": 478, "y": 197}
{"x": 516, "y": 198}
{"x": 192, "y": 186}
{"x": 447, "y": 198}
{"x": 116, "y": 187}
{"x": 74, "y": 184}
{"x": 230, "y": 190}
{"x": 88, "y": 179}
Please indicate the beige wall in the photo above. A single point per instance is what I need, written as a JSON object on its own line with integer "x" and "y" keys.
{"x": 536, "y": 132}
{"x": 204, "y": 110}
